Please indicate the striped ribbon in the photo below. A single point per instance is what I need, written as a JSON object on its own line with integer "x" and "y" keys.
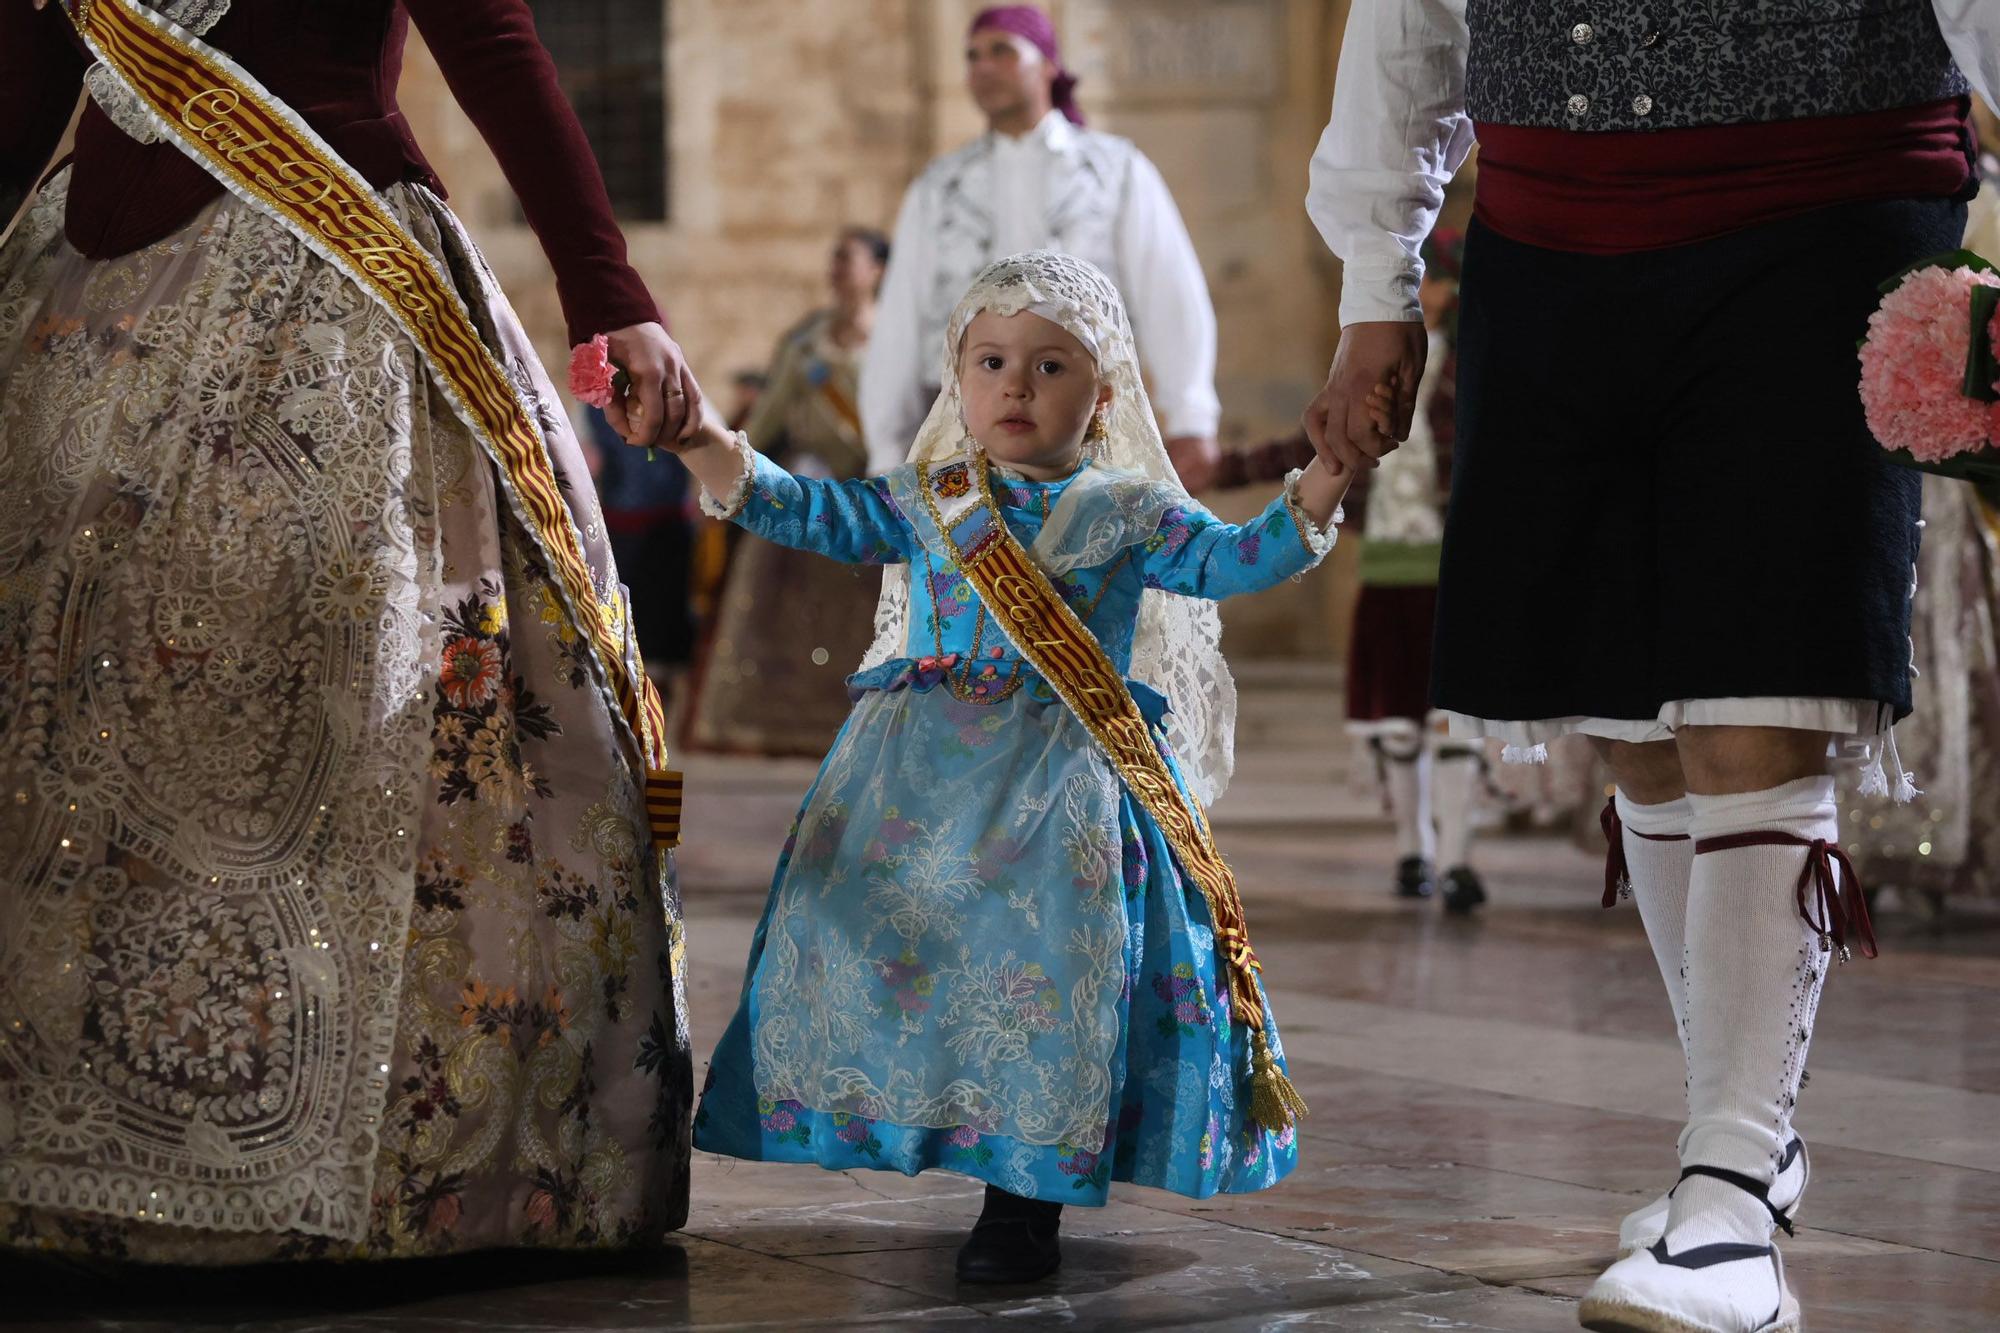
{"x": 262, "y": 151}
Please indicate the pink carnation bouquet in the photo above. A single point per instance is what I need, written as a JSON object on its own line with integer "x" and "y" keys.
{"x": 1930, "y": 384}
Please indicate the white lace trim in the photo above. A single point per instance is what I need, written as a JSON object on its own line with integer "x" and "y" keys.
{"x": 729, "y": 506}
{"x": 1318, "y": 538}
{"x": 123, "y": 107}
{"x": 1862, "y": 730}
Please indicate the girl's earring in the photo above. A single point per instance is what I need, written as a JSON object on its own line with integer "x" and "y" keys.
{"x": 1097, "y": 433}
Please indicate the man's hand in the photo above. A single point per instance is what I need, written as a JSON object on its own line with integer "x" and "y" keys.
{"x": 662, "y": 403}
{"x": 1370, "y": 355}
{"x": 1196, "y": 459}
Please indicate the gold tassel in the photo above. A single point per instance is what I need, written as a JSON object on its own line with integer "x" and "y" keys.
{"x": 1274, "y": 1103}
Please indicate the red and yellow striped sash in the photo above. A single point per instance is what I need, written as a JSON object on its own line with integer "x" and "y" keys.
{"x": 263, "y": 152}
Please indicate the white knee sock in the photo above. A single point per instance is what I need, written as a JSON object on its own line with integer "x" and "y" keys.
{"x": 1407, "y": 780}
{"x": 1454, "y": 782}
{"x": 1754, "y": 972}
{"x": 1659, "y": 855}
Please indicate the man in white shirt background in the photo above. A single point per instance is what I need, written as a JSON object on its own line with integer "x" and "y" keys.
{"x": 1038, "y": 179}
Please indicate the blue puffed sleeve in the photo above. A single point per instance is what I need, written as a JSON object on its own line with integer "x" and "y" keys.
{"x": 1195, "y": 553}
{"x": 852, "y": 521}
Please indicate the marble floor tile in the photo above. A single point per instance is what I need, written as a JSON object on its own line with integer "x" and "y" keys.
{"x": 1463, "y": 1310}
{"x": 818, "y": 1223}
{"x": 1182, "y": 1278}
{"x": 1883, "y": 1197}
{"x": 695, "y": 1284}
{"x": 1923, "y": 1121}
{"x": 1890, "y": 1291}
{"x": 1487, "y": 1224}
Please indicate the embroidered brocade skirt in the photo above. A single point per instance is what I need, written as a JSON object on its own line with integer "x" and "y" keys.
{"x": 980, "y": 955}
{"x": 329, "y": 922}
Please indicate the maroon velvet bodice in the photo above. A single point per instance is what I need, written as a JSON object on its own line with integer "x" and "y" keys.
{"x": 336, "y": 63}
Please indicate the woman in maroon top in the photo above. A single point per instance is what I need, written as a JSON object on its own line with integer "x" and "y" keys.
{"x": 329, "y": 922}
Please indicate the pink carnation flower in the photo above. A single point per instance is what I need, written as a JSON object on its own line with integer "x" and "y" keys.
{"x": 591, "y": 375}
{"x": 1913, "y": 367}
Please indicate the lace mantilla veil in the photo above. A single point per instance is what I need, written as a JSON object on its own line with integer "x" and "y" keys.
{"x": 1178, "y": 646}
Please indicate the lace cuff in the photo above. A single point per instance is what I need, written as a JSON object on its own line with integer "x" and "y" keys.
{"x": 1316, "y": 539}
{"x": 730, "y": 505}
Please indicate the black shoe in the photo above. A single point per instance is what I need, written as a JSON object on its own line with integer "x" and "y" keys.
{"x": 1415, "y": 878}
{"x": 1014, "y": 1241}
{"x": 1462, "y": 890}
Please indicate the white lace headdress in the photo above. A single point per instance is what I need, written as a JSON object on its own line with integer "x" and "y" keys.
{"x": 1178, "y": 646}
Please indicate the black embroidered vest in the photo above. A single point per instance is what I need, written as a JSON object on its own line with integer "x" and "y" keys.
{"x": 1671, "y": 64}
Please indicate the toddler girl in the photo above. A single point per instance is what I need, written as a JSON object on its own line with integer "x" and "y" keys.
{"x": 999, "y": 940}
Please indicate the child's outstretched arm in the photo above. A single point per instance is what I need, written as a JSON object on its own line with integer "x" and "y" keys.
{"x": 854, "y": 521}
{"x": 1198, "y": 554}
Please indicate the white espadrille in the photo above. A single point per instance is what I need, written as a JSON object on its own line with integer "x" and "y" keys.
{"x": 1643, "y": 1227}
{"x": 1709, "y": 1289}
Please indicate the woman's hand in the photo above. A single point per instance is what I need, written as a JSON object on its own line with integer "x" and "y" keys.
{"x": 662, "y": 402}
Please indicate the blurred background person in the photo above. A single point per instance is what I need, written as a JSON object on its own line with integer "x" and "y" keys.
{"x": 1430, "y": 781}
{"x": 790, "y": 624}
{"x": 1037, "y": 179}
{"x": 649, "y": 521}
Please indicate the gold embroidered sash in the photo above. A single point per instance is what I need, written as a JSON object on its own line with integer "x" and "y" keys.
{"x": 263, "y": 152}
{"x": 1036, "y": 619}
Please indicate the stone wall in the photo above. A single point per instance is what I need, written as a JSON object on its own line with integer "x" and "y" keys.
{"x": 788, "y": 120}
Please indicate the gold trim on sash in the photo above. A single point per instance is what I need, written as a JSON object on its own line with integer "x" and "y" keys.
{"x": 1034, "y": 616}
{"x": 250, "y": 141}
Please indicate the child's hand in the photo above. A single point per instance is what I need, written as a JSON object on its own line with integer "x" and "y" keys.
{"x": 711, "y": 433}
{"x": 710, "y": 453}
{"x": 708, "y": 433}
{"x": 1321, "y": 489}
{"x": 1381, "y": 406}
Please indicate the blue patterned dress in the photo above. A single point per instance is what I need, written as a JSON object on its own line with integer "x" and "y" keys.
{"x": 979, "y": 953}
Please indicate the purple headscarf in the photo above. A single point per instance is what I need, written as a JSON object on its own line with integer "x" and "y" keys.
{"x": 1029, "y": 22}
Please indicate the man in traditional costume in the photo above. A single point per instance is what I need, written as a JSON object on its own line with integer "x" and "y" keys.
{"x": 1037, "y": 179}
{"x": 336, "y": 911}
{"x": 1666, "y": 503}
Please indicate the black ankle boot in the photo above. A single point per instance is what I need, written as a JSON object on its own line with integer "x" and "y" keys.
{"x": 1414, "y": 878}
{"x": 1013, "y": 1241}
{"x": 1462, "y": 890}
